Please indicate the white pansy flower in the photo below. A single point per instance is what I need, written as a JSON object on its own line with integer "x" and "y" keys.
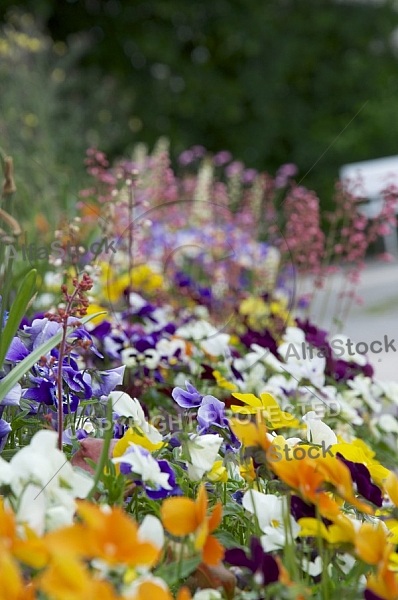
{"x": 169, "y": 348}
{"x": 45, "y": 483}
{"x": 142, "y": 463}
{"x": 388, "y": 423}
{"x": 252, "y": 379}
{"x": 312, "y": 369}
{"x": 343, "y": 349}
{"x": 203, "y": 451}
{"x": 317, "y": 431}
{"x": 314, "y": 567}
{"x": 131, "y": 358}
{"x": 208, "y": 337}
{"x": 294, "y": 335}
{"x": 271, "y": 512}
{"x": 389, "y": 390}
{"x": 126, "y": 406}
{"x": 136, "y": 301}
{"x": 364, "y": 388}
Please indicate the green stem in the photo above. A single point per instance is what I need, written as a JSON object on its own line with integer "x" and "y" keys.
{"x": 104, "y": 454}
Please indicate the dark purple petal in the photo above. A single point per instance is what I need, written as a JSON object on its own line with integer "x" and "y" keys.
{"x": 361, "y": 477}
{"x": 159, "y": 493}
{"x": 257, "y": 552}
{"x": 101, "y": 330}
{"x": 300, "y": 509}
{"x": 270, "y": 569}
{"x": 238, "y": 558}
{"x": 44, "y": 393}
{"x": 369, "y": 595}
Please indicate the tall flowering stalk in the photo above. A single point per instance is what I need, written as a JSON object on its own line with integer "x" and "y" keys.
{"x": 76, "y": 306}
{"x": 236, "y": 218}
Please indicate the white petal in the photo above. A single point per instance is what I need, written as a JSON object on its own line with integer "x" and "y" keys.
{"x": 266, "y": 507}
{"x": 32, "y": 508}
{"x": 318, "y": 431}
{"x": 5, "y": 472}
{"x": 313, "y": 568}
{"x": 151, "y": 530}
{"x": 203, "y": 451}
{"x": 125, "y": 406}
{"x": 388, "y": 423}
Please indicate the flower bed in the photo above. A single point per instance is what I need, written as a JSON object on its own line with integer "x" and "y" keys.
{"x": 174, "y": 425}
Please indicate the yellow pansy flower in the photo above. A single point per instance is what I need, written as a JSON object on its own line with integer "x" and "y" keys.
{"x": 247, "y": 471}
{"x": 223, "y": 383}
{"x": 135, "y": 436}
{"x": 265, "y": 406}
{"x": 358, "y": 452}
{"x": 218, "y": 472}
{"x": 96, "y": 308}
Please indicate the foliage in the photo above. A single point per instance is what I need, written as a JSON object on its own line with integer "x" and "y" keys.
{"x": 271, "y": 81}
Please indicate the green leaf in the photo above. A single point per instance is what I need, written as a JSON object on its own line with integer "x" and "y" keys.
{"x": 23, "y": 367}
{"x": 228, "y": 540}
{"x": 18, "y": 309}
{"x": 174, "y": 572}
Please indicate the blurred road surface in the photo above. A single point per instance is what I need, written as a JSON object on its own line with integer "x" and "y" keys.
{"x": 376, "y": 318}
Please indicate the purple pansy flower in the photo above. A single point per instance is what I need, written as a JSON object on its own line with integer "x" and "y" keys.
{"x": 17, "y": 351}
{"x": 13, "y": 397}
{"x": 262, "y": 565}
{"x": 211, "y": 412}
{"x": 189, "y": 398}
{"x": 157, "y": 492}
{"x": 5, "y": 429}
{"x": 104, "y": 382}
{"x": 68, "y": 435}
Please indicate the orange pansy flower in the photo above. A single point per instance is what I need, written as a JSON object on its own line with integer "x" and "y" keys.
{"x": 68, "y": 579}
{"x": 106, "y": 533}
{"x": 304, "y": 476}
{"x": 12, "y": 585}
{"x": 384, "y": 583}
{"x": 113, "y": 536}
{"x": 31, "y": 551}
{"x": 371, "y": 544}
{"x": 184, "y": 516}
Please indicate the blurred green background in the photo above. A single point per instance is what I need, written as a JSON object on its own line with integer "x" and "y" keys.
{"x": 272, "y": 81}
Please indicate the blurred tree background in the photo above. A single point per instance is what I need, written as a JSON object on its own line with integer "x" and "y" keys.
{"x": 271, "y": 81}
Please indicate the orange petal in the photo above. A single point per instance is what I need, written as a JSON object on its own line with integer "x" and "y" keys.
{"x": 216, "y": 517}
{"x": 201, "y": 504}
{"x": 213, "y": 551}
{"x": 148, "y": 589}
{"x": 370, "y": 543}
{"x": 179, "y": 516}
{"x": 184, "y": 594}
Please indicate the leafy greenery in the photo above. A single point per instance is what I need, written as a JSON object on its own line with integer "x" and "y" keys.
{"x": 272, "y": 82}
